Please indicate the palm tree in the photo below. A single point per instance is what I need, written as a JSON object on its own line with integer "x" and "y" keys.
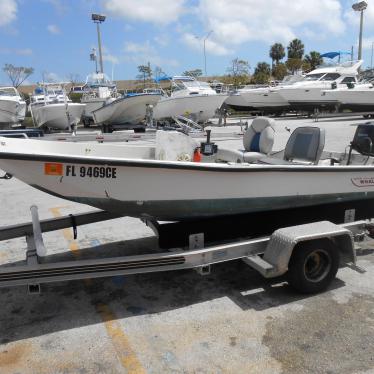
{"x": 276, "y": 53}
{"x": 314, "y": 59}
{"x": 295, "y": 49}
{"x": 262, "y": 68}
{"x": 262, "y": 73}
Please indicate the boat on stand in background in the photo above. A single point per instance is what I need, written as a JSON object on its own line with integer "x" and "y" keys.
{"x": 189, "y": 98}
{"x": 265, "y": 98}
{"x": 97, "y": 92}
{"x": 51, "y": 108}
{"x": 12, "y": 107}
{"x": 128, "y": 111}
{"x": 308, "y": 94}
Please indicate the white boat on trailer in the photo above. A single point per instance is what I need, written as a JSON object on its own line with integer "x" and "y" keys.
{"x": 52, "y": 109}
{"x": 162, "y": 182}
{"x": 97, "y": 91}
{"x": 12, "y": 107}
{"x": 309, "y": 254}
{"x": 189, "y": 98}
{"x": 130, "y": 109}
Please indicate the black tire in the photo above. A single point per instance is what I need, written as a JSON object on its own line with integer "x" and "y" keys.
{"x": 366, "y": 116}
{"x": 313, "y": 266}
{"x": 86, "y": 122}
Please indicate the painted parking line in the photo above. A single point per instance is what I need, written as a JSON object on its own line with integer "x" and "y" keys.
{"x": 121, "y": 342}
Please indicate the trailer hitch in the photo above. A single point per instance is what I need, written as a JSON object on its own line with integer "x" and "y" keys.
{"x": 7, "y": 176}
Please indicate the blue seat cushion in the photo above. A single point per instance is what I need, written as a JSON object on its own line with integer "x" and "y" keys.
{"x": 255, "y": 143}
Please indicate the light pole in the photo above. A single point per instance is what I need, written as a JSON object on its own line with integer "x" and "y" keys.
{"x": 360, "y": 7}
{"x": 99, "y": 18}
{"x": 205, "y": 39}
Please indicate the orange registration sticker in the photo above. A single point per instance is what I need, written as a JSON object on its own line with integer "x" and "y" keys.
{"x": 53, "y": 169}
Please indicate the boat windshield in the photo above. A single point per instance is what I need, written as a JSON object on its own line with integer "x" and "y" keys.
{"x": 330, "y": 77}
{"x": 8, "y": 91}
{"x": 193, "y": 84}
{"x": 313, "y": 77}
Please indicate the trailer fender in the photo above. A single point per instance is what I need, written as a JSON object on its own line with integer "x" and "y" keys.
{"x": 284, "y": 241}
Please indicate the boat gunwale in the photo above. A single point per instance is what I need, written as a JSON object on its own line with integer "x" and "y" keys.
{"x": 120, "y": 99}
{"x": 163, "y": 164}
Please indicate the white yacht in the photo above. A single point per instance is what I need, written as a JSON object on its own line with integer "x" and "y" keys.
{"x": 189, "y": 98}
{"x": 263, "y": 98}
{"x": 308, "y": 93}
{"x": 52, "y": 109}
{"x": 358, "y": 97}
{"x": 12, "y": 107}
{"x": 97, "y": 91}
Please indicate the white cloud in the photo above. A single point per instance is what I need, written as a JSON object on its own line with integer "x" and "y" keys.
{"x": 155, "y": 11}
{"x": 162, "y": 40}
{"x": 141, "y": 53}
{"x": 111, "y": 58}
{"x": 24, "y": 51}
{"x": 367, "y": 43}
{"x": 51, "y": 77}
{"x": 60, "y": 6}
{"x": 8, "y": 11}
{"x": 238, "y": 21}
{"x": 211, "y": 46}
{"x": 16, "y": 51}
{"x": 53, "y": 29}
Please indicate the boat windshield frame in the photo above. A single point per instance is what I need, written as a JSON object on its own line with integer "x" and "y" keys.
{"x": 9, "y": 92}
{"x": 313, "y": 77}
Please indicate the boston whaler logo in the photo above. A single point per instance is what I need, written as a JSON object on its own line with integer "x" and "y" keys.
{"x": 363, "y": 181}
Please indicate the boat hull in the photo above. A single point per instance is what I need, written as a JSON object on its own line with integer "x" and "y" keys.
{"x": 199, "y": 108}
{"x": 11, "y": 112}
{"x": 165, "y": 190}
{"x": 355, "y": 100}
{"x": 92, "y": 105}
{"x": 307, "y": 98}
{"x": 54, "y": 115}
{"x": 130, "y": 110}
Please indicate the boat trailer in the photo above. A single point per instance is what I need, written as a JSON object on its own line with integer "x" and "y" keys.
{"x": 310, "y": 253}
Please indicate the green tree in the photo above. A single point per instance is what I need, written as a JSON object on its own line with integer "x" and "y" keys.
{"x": 262, "y": 73}
{"x": 17, "y": 74}
{"x": 145, "y": 73}
{"x": 193, "y": 73}
{"x": 314, "y": 59}
{"x": 279, "y": 71}
{"x": 277, "y": 53}
{"x": 262, "y": 67}
{"x": 295, "y": 49}
{"x": 294, "y": 64}
{"x": 238, "y": 71}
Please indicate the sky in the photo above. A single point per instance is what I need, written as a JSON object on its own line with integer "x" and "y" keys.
{"x": 55, "y": 37}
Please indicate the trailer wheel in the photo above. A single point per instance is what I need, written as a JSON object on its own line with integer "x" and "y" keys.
{"x": 313, "y": 266}
{"x": 86, "y": 122}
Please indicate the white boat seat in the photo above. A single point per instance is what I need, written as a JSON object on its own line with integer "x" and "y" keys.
{"x": 305, "y": 145}
{"x": 258, "y": 139}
